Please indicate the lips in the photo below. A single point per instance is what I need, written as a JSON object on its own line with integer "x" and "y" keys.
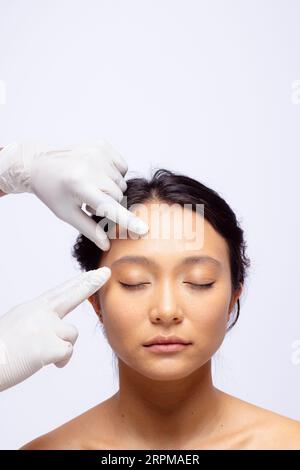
{"x": 166, "y": 340}
{"x": 167, "y": 348}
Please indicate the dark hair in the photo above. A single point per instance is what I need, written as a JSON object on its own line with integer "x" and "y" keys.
{"x": 168, "y": 187}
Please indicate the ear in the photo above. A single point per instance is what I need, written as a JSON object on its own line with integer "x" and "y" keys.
{"x": 234, "y": 298}
{"x": 94, "y": 300}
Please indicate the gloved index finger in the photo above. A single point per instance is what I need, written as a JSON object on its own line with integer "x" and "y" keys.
{"x": 105, "y": 205}
{"x": 64, "y": 298}
{"x": 119, "y": 214}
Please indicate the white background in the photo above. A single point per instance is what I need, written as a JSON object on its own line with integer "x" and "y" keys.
{"x": 199, "y": 87}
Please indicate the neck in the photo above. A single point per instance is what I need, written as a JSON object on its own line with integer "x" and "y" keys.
{"x": 168, "y": 413}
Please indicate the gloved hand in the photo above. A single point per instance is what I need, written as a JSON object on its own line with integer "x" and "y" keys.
{"x": 66, "y": 178}
{"x": 33, "y": 334}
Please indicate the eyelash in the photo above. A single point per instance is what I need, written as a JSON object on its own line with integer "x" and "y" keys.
{"x": 193, "y": 286}
{"x": 132, "y": 286}
{"x": 200, "y": 286}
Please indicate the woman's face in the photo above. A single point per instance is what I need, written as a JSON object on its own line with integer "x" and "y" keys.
{"x": 164, "y": 298}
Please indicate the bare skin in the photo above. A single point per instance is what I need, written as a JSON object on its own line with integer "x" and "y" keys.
{"x": 168, "y": 401}
{"x": 244, "y": 426}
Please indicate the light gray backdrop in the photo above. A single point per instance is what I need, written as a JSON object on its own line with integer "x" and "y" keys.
{"x": 208, "y": 88}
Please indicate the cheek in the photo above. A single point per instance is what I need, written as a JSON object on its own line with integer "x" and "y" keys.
{"x": 120, "y": 317}
{"x": 209, "y": 314}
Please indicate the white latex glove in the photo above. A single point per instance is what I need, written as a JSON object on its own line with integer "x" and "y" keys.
{"x": 33, "y": 334}
{"x": 66, "y": 178}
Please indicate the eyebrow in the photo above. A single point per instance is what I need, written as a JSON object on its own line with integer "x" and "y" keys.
{"x": 188, "y": 261}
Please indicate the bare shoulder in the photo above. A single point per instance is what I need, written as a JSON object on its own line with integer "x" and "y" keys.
{"x": 61, "y": 438}
{"x": 264, "y": 428}
{"x": 82, "y": 432}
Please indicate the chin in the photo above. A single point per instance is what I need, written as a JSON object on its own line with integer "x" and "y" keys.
{"x": 166, "y": 372}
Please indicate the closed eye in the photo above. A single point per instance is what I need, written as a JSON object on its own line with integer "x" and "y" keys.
{"x": 133, "y": 286}
{"x": 142, "y": 284}
{"x": 200, "y": 286}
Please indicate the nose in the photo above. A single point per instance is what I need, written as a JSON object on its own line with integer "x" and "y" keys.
{"x": 165, "y": 308}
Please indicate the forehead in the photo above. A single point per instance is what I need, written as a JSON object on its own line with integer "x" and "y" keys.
{"x": 173, "y": 235}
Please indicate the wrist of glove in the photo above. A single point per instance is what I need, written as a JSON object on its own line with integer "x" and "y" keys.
{"x": 15, "y": 167}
